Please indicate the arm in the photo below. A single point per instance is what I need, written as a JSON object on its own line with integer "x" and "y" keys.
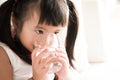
{"x": 5, "y": 66}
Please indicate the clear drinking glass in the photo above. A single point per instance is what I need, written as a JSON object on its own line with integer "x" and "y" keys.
{"x": 49, "y": 41}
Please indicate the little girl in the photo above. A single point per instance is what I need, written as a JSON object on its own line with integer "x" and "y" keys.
{"x": 21, "y": 21}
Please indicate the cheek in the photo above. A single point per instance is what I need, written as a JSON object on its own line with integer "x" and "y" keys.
{"x": 27, "y": 40}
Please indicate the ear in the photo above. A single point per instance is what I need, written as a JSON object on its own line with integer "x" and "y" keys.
{"x": 14, "y": 21}
{"x": 14, "y": 25}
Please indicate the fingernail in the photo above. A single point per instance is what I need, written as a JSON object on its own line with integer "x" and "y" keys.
{"x": 37, "y": 53}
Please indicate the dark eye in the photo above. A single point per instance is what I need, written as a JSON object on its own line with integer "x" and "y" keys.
{"x": 56, "y": 32}
{"x": 39, "y": 31}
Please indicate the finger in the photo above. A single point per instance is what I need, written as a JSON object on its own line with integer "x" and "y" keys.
{"x": 46, "y": 68}
{"x": 62, "y": 57}
{"x": 63, "y": 61}
{"x": 33, "y": 55}
{"x": 40, "y": 56}
{"x": 62, "y": 50}
{"x": 43, "y": 52}
{"x": 45, "y": 56}
{"x": 61, "y": 53}
{"x": 46, "y": 60}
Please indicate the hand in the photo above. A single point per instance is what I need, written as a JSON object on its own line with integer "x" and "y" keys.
{"x": 40, "y": 70}
{"x": 62, "y": 57}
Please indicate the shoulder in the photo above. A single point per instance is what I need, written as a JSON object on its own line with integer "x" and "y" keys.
{"x": 3, "y": 55}
{"x": 4, "y": 58}
{"x": 5, "y": 65}
{"x": 12, "y": 65}
{"x": 9, "y": 52}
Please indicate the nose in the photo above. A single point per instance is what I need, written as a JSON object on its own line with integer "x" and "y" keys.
{"x": 52, "y": 40}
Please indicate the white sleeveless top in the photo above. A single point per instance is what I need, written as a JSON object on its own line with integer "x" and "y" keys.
{"x": 21, "y": 70}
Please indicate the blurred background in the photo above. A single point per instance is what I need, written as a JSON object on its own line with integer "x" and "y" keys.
{"x": 97, "y": 49}
{"x": 100, "y": 29}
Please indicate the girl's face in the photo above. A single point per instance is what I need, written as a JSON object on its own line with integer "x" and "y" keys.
{"x": 30, "y": 31}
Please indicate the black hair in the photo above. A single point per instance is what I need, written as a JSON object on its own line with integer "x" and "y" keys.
{"x": 52, "y": 12}
{"x": 72, "y": 31}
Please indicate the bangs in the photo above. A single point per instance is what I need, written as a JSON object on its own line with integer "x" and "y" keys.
{"x": 53, "y": 12}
